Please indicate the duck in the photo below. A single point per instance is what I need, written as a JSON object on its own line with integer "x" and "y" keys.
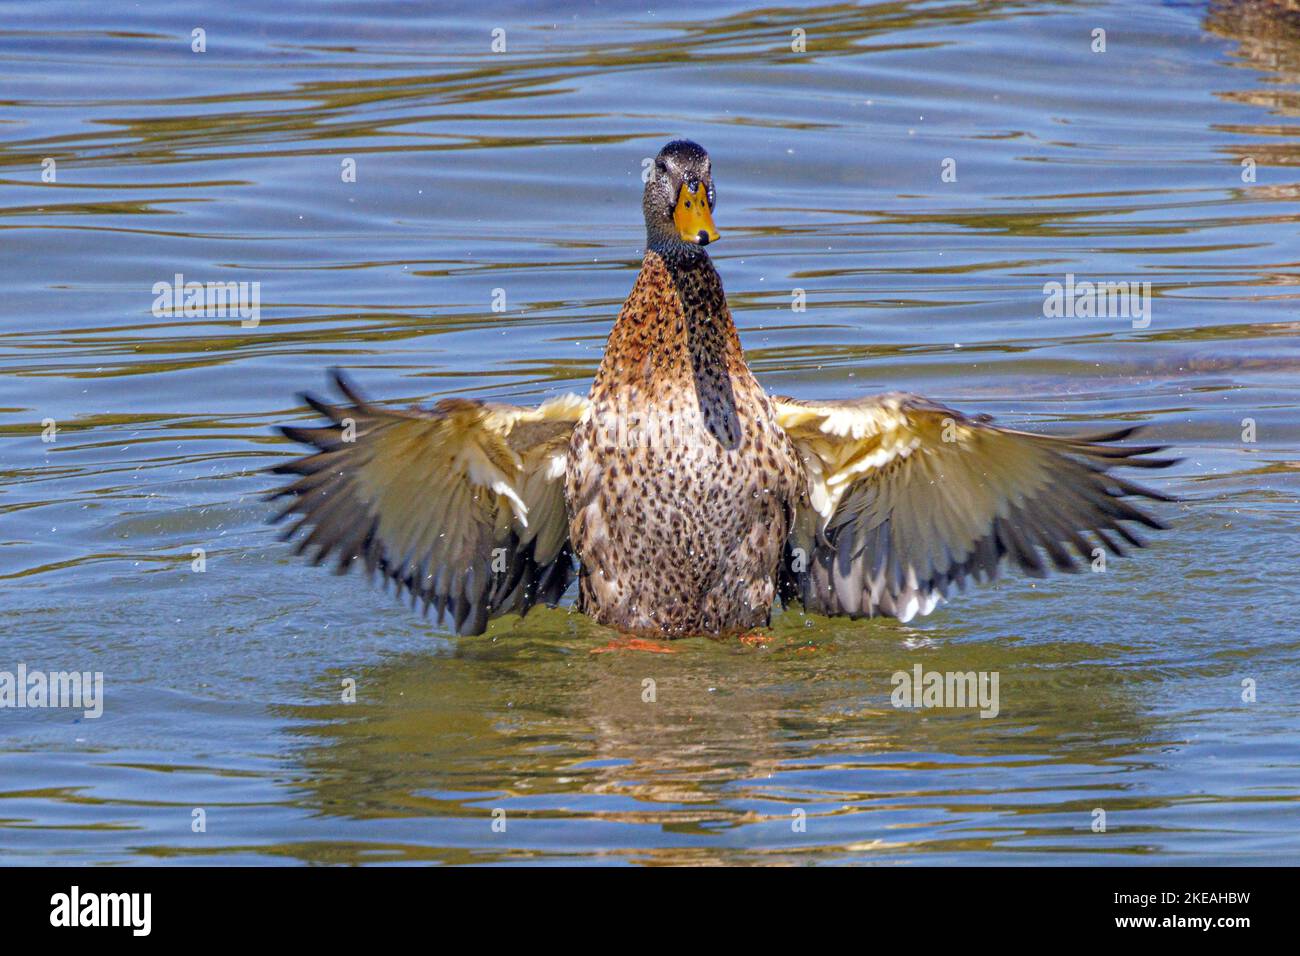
{"x": 683, "y": 498}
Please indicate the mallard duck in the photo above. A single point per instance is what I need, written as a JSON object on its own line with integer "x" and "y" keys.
{"x": 685, "y": 499}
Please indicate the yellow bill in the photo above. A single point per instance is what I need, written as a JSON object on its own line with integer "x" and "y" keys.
{"x": 692, "y": 217}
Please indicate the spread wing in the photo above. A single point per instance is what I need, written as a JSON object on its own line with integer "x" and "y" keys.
{"x": 908, "y": 499}
{"x": 462, "y": 506}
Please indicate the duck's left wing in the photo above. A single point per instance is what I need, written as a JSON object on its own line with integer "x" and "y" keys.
{"x": 907, "y": 499}
{"x": 461, "y": 505}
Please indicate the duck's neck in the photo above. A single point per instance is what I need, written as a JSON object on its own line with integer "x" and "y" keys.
{"x": 675, "y": 335}
{"x": 678, "y": 254}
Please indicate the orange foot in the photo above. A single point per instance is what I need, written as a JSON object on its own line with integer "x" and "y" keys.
{"x": 755, "y": 639}
{"x": 634, "y": 644}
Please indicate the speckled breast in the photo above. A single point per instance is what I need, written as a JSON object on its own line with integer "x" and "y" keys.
{"x": 679, "y": 479}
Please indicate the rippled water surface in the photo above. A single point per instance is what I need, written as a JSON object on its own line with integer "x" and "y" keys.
{"x": 520, "y": 171}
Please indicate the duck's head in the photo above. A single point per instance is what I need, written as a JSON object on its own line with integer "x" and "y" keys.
{"x": 679, "y": 197}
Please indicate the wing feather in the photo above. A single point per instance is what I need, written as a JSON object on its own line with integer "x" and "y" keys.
{"x": 462, "y": 505}
{"x": 912, "y": 499}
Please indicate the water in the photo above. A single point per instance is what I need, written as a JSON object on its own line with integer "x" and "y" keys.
{"x": 520, "y": 171}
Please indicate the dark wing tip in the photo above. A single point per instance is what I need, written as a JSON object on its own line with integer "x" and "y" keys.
{"x": 283, "y": 468}
{"x": 1116, "y": 434}
{"x": 347, "y": 388}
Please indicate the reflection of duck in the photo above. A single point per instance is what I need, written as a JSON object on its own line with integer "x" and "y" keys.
{"x": 1267, "y": 37}
{"x": 678, "y": 486}
{"x": 1268, "y": 34}
{"x": 734, "y": 741}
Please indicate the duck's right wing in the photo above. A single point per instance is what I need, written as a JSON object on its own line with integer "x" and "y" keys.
{"x": 462, "y": 506}
{"x": 909, "y": 499}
